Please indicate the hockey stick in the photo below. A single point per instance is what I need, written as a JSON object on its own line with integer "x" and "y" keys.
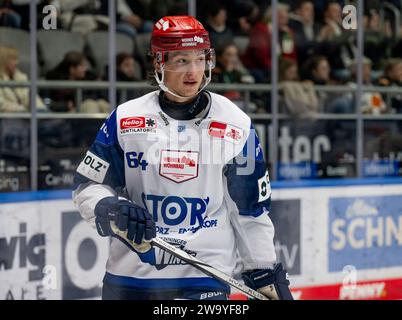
{"x": 202, "y": 266}
{"x": 207, "y": 269}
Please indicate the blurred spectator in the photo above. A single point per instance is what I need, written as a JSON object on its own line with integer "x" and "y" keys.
{"x": 248, "y": 15}
{"x": 129, "y": 19}
{"x": 125, "y": 71}
{"x": 90, "y": 15}
{"x": 219, "y": 33}
{"x": 377, "y": 41}
{"x": 82, "y": 16}
{"x": 242, "y": 15}
{"x": 14, "y": 99}
{"x": 318, "y": 70}
{"x": 74, "y": 67}
{"x": 257, "y": 57}
{"x": 229, "y": 69}
{"x": 305, "y": 29}
{"x": 337, "y": 44}
{"x": 162, "y": 8}
{"x": 125, "y": 67}
{"x": 17, "y": 13}
{"x": 393, "y": 78}
{"x": 371, "y": 102}
{"x": 8, "y": 16}
{"x": 297, "y": 98}
{"x": 320, "y": 6}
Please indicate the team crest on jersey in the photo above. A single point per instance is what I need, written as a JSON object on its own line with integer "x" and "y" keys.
{"x": 137, "y": 125}
{"x": 225, "y": 131}
{"x": 178, "y": 166}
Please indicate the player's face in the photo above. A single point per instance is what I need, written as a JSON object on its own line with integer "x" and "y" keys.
{"x": 184, "y": 71}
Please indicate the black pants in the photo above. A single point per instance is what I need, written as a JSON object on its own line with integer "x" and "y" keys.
{"x": 112, "y": 292}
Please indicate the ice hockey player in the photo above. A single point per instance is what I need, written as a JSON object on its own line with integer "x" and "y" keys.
{"x": 183, "y": 164}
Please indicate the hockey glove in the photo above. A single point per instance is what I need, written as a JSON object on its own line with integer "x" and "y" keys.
{"x": 126, "y": 221}
{"x": 273, "y": 284}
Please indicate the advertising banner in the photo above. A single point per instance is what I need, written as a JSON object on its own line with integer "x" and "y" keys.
{"x": 47, "y": 251}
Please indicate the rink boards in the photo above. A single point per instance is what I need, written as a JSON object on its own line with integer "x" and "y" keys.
{"x": 339, "y": 239}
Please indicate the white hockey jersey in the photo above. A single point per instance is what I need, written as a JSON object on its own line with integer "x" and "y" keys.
{"x": 203, "y": 180}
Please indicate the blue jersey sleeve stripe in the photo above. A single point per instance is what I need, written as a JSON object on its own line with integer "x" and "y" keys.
{"x": 244, "y": 188}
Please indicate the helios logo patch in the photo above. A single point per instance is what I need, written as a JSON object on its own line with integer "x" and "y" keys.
{"x": 93, "y": 167}
{"x": 137, "y": 125}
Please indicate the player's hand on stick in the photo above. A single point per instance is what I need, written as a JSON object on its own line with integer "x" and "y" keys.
{"x": 125, "y": 220}
{"x": 272, "y": 283}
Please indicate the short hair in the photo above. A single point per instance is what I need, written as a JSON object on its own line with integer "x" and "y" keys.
{"x": 390, "y": 64}
{"x": 266, "y": 17}
{"x": 214, "y": 8}
{"x": 121, "y": 57}
{"x": 300, "y": 3}
{"x": 283, "y": 65}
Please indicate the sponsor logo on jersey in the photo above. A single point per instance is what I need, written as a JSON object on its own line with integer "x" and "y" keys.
{"x": 174, "y": 210}
{"x": 137, "y": 125}
{"x": 225, "y": 131}
{"x": 264, "y": 187}
{"x": 179, "y": 166}
{"x": 164, "y": 259}
{"x": 93, "y": 167}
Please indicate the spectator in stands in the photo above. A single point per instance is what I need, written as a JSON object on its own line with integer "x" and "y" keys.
{"x": 17, "y": 13}
{"x": 393, "y": 78}
{"x": 74, "y": 67}
{"x": 244, "y": 14}
{"x": 14, "y": 99}
{"x": 377, "y": 40}
{"x": 125, "y": 71}
{"x": 229, "y": 69}
{"x": 257, "y": 57}
{"x": 90, "y": 15}
{"x": 318, "y": 70}
{"x": 129, "y": 19}
{"x": 337, "y": 44}
{"x": 8, "y": 16}
{"x": 305, "y": 29}
{"x": 219, "y": 33}
{"x": 371, "y": 102}
{"x": 125, "y": 67}
{"x": 162, "y": 8}
{"x": 296, "y": 97}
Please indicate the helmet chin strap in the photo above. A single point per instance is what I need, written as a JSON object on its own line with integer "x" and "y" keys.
{"x": 163, "y": 87}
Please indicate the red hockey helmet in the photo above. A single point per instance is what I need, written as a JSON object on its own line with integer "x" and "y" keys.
{"x": 173, "y": 33}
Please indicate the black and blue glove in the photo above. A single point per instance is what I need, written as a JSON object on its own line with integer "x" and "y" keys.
{"x": 125, "y": 220}
{"x": 273, "y": 283}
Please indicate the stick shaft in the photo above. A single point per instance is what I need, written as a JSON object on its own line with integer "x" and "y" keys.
{"x": 206, "y": 268}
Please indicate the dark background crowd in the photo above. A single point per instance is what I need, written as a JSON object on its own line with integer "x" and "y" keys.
{"x": 314, "y": 49}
